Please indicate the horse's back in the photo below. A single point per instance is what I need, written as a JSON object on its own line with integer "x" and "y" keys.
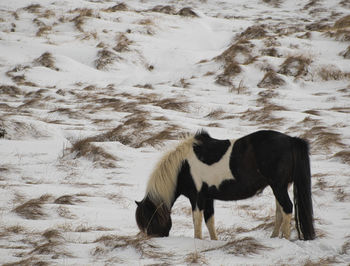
{"x": 266, "y": 154}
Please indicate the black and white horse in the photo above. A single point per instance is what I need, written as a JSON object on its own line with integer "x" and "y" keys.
{"x": 204, "y": 169}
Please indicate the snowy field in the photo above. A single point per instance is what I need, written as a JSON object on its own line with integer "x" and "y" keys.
{"x": 92, "y": 93}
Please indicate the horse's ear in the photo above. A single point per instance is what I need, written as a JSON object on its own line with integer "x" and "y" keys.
{"x": 138, "y": 203}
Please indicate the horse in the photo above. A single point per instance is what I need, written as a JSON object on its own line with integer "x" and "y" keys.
{"x": 205, "y": 169}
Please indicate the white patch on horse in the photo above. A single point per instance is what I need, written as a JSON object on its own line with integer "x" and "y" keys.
{"x": 213, "y": 174}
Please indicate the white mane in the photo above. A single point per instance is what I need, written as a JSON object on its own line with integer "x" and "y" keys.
{"x": 162, "y": 183}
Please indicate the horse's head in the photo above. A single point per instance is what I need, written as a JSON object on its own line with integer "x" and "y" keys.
{"x": 153, "y": 220}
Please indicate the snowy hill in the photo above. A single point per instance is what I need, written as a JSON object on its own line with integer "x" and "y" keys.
{"x": 92, "y": 93}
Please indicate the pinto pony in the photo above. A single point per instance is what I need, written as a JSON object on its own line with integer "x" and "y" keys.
{"x": 204, "y": 169}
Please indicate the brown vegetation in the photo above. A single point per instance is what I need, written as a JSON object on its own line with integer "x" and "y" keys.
{"x": 187, "y": 12}
{"x": 141, "y": 243}
{"x": 170, "y": 10}
{"x": 46, "y": 60}
{"x": 296, "y": 66}
{"x": 32, "y": 209}
{"x": 253, "y": 32}
{"x": 271, "y": 80}
{"x": 123, "y": 44}
{"x": 343, "y": 156}
{"x": 117, "y": 7}
{"x": 105, "y": 58}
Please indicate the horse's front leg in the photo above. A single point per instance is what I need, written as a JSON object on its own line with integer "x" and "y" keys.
{"x": 197, "y": 216}
{"x": 209, "y": 218}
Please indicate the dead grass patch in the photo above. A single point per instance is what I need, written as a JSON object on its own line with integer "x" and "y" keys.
{"x": 81, "y": 18}
{"x": 346, "y": 247}
{"x": 216, "y": 114}
{"x": 170, "y": 10}
{"x": 341, "y": 195}
{"x": 33, "y": 8}
{"x": 322, "y": 139}
{"x": 46, "y": 60}
{"x": 68, "y": 200}
{"x": 270, "y": 51}
{"x": 122, "y": 43}
{"x": 64, "y": 212}
{"x": 345, "y": 53}
{"x": 117, "y": 7}
{"x": 343, "y": 22}
{"x": 195, "y": 258}
{"x": 187, "y": 12}
{"x": 172, "y": 103}
{"x": 105, "y": 58}
{"x": 274, "y": 3}
{"x": 253, "y": 32}
{"x": 323, "y": 261}
{"x": 295, "y": 66}
{"x": 52, "y": 248}
{"x": 271, "y": 80}
{"x": 343, "y": 156}
{"x": 263, "y": 115}
{"x": 86, "y": 148}
{"x": 32, "y": 209}
{"x": 141, "y": 243}
{"x": 10, "y": 90}
{"x": 31, "y": 261}
{"x": 331, "y": 72}
{"x": 241, "y": 247}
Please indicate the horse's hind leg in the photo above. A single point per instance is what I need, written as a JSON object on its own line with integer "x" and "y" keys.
{"x": 278, "y": 220}
{"x": 283, "y": 199}
{"x": 209, "y": 218}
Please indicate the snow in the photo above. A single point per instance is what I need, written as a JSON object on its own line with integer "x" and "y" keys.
{"x": 163, "y": 81}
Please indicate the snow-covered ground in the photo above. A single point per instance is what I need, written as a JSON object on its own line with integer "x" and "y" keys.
{"x": 93, "y": 92}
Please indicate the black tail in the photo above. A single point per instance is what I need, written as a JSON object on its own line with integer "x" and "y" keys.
{"x": 302, "y": 190}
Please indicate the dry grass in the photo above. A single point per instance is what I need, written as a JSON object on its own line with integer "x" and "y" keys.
{"x": 341, "y": 195}
{"x": 241, "y": 247}
{"x": 31, "y": 261}
{"x": 122, "y": 43}
{"x": 33, "y": 8}
{"x": 296, "y": 66}
{"x": 46, "y": 60}
{"x": 10, "y": 90}
{"x": 345, "y": 53}
{"x": 86, "y": 148}
{"x": 253, "y": 32}
{"x": 323, "y": 261}
{"x": 105, "y": 58}
{"x": 170, "y": 10}
{"x": 343, "y": 22}
{"x": 271, "y": 80}
{"x": 343, "y": 156}
{"x": 32, "y": 209}
{"x": 331, "y": 72}
{"x": 141, "y": 243}
{"x": 322, "y": 139}
{"x": 117, "y": 7}
{"x": 68, "y": 200}
{"x": 196, "y": 258}
{"x": 274, "y": 3}
{"x": 216, "y": 114}
{"x": 187, "y": 12}
{"x": 81, "y": 18}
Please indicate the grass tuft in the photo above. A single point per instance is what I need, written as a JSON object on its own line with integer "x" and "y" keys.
{"x": 46, "y": 60}
{"x": 295, "y": 66}
{"x": 187, "y": 12}
{"x": 271, "y": 80}
{"x": 32, "y": 209}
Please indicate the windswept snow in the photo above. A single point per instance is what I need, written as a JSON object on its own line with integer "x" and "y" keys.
{"x": 92, "y": 93}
